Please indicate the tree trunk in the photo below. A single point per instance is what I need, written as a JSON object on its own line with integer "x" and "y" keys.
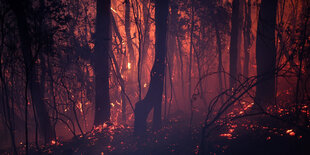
{"x": 220, "y": 65}
{"x": 190, "y": 60}
{"x": 128, "y": 34}
{"x": 32, "y": 78}
{"x": 101, "y": 68}
{"x": 118, "y": 71}
{"x": 181, "y": 65}
{"x": 234, "y": 39}
{"x": 153, "y": 97}
{"x": 247, "y": 38}
{"x": 146, "y": 37}
{"x": 240, "y": 36}
{"x": 266, "y": 53}
{"x": 37, "y": 95}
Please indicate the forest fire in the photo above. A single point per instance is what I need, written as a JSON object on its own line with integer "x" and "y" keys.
{"x": 154, "y": 77}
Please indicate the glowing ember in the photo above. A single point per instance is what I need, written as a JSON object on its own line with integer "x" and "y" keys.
{"x": 104, "y": 125}
{"x": 290, "y": 132}
{"x": 231, "y": 130}
{"x": 228, "y": 135}
{"x": 53, "y": 142}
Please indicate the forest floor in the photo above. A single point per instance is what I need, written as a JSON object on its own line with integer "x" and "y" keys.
{"x": 242, "y": 137}
{"x": 246, "y": 136}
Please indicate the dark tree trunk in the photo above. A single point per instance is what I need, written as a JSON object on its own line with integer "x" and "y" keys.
{"x": 247, "y": 37}
{"x": 19, "y": 9}
{"x": 240, "y": 36}
{"x": 234, "y": 39}
{"x": 181, "y": 66}
{"x": 266, "y": 53}
{"x": 37, "y": 95}
{"x": 101, "y": 68}
{"x": 190, "y": 60}
{"x": 153, "y": 97}
{"x": 220, "y": 65}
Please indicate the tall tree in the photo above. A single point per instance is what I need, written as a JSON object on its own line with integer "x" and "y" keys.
{"x": 266, "y": 52}
{"x": 234, "y": 40}
{"x": 153, "y": 97}
{"x": 22, "y": 10}
{"x": 128, "y": 35}
{"x": 101, "y": 64}
{"x": 247, "y": 37}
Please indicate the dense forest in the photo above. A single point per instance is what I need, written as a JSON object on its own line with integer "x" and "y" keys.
{"x": 154, "y": 77}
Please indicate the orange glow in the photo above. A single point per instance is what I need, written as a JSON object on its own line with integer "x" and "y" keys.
{"x": 72, "y": 87}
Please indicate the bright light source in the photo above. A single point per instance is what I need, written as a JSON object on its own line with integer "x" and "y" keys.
{"x": 129, "y": 65}
{"x": 113, "y": 10}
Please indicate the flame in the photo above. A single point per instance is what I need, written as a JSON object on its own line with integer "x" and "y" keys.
{"x": 99, "y": 128}
{"x": 113, "y": 10}
{"x": 118, "y": 103}
{"x": 129, "y": 65}
{"x": 53, "y": 142}
{"x": 80, "y": 107}
{"x": 145, "y": 85}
